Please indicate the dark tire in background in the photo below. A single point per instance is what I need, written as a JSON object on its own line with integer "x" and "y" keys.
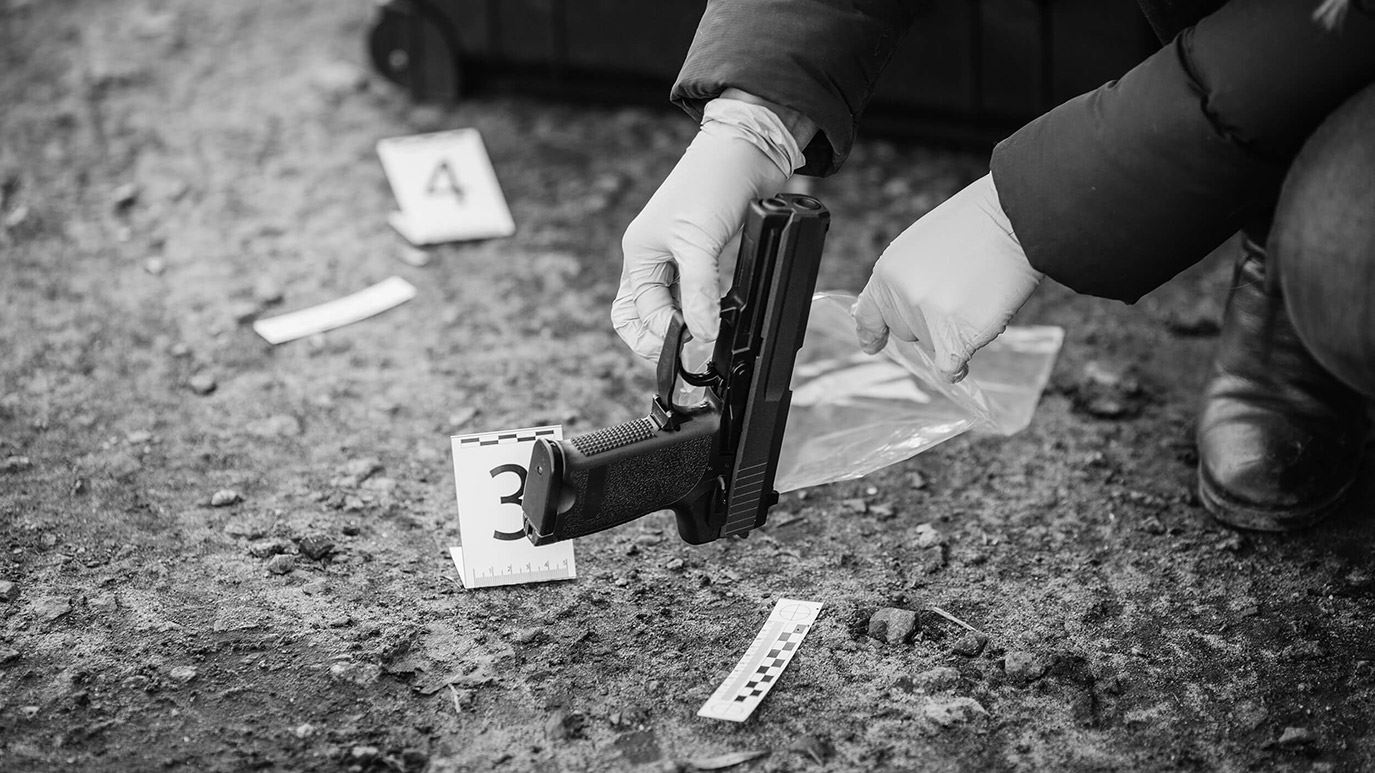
{"x": 413, "y": 46}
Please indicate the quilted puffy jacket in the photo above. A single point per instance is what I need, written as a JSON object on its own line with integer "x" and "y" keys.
{"x": 1117, "y": 190}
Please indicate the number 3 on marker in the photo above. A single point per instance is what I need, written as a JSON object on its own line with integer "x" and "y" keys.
{"x": 513, "y": 498}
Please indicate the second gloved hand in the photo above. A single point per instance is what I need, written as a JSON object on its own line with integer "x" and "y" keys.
{"x": 743, "y": 152}
{"x": 952, "y": 280}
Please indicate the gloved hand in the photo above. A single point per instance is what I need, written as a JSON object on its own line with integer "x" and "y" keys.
{"x": 744, "y": 151}
{"x": 952, "y": 280}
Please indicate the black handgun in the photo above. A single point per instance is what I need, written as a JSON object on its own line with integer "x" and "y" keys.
{"x": 713, "y": 463}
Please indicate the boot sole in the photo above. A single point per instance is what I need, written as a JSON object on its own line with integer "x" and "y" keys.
{"x": 1243, "y": 515}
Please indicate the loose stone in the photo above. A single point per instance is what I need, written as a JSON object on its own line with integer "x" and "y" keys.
{"x": 894, "y": 626}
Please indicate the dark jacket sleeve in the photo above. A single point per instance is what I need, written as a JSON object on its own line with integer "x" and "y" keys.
{"x": 1116, "y": 191}
{"x": 818, "y": 57}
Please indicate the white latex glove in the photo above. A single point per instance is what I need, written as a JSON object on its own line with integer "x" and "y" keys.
{"x": 743, "y": 152}
{"x": 952, "y": 280}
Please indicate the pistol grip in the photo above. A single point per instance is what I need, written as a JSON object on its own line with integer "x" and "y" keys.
{"x": 605, "y": 478}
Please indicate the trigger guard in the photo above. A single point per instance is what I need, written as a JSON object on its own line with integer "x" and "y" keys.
{"x": 671, "y": 367}
{"x": 704, "y": 379}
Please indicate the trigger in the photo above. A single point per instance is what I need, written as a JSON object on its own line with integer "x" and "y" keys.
{"x": 665, "y": 414}
{"x": 670, "y": 357}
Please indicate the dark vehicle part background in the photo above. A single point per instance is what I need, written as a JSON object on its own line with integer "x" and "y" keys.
{"x": 970, "y": 71}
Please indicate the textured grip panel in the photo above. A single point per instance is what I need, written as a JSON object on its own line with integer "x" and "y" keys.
{"x": 611, "y": 438}
{"x": 633, "y": 485}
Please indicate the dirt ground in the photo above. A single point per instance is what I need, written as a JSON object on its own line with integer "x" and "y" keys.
{"x": 172, "y": 169}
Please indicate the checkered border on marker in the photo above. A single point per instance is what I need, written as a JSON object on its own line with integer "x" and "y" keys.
{"x": 497, "y": 438}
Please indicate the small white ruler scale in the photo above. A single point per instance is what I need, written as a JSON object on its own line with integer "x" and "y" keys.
{"x": 758, "y": 671}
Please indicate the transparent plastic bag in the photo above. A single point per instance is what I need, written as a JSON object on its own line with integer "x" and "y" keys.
{"x": 853, "y": 413}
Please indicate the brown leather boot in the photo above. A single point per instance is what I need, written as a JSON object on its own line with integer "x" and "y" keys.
{"x": 1279, "y": 439}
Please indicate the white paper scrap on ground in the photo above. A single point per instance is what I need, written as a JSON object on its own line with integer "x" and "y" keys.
{"x": 445, "y": 187}
{"x": 763, "y": 662}
{"x": 344, "y": 311}
{"x": 489, "y": 478}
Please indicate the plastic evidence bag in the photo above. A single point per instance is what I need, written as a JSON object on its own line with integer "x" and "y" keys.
{"x": 853, "y": 413}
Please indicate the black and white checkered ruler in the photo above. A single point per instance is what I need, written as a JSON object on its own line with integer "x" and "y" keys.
{"x": 763, "y": 662}
{"x": 489, "y": 478}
